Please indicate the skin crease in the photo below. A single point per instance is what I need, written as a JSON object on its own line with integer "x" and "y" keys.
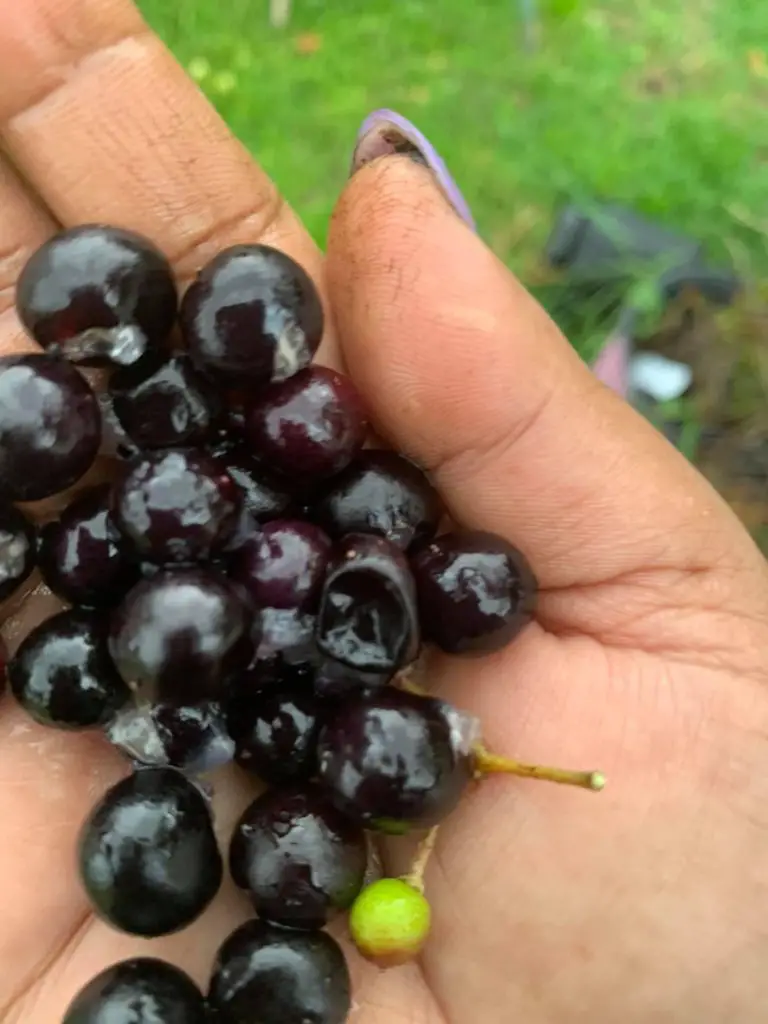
{"x": 645, "y": 904}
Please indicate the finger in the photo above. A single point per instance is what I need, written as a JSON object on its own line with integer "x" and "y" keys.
{"x": 464, "y": 372}
{"x": 24, "y": 225}
{"x": 107, "y": 127}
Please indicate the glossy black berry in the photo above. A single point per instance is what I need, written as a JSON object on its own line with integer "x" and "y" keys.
{"x": 50, "y": 426}
{"x": 286, "y": 636}
{"x": 394, "y": 760}
{"x": 367, "y": 617}
{"x": 283, "y": 564}
{"x": 178, "y": 505}
{"x": 97, "y": 294}
{"x": 299, "y": 859}
{"x": 149, "y": 860}
{"x": 265, "y": 497}
{"x": 115, "y": 443}
{"x": 180, "y": 634}
{"x": 191, "y": 737}
{"x": 275, "y": 976}
{"x": 252, "y": 315}
{"x": 62, "y": 674}
{"x": 276, "y": 732}
{"x": 138, "y": 991}
{"x": 260, "y": 676}
{"x": 163, "y": 402}
{"x": 83, "y": 557}
{"x": 17, "y": 550}
{"x": 333, "y": 679}
{"x": 475, "y": 591}
{"x": 381, "y": 493}
{"x": 310, "y": 426}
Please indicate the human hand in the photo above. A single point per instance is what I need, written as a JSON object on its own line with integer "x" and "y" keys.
{"x": 551, "y": 906}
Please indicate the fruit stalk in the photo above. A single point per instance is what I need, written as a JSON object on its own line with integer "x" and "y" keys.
{"x": 487, "y": 763}
{"x": 415, "y": 877}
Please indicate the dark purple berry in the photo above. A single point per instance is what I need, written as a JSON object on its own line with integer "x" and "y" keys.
{"x": 62, "y": 674}
{"x": 252, "y": 316}
{"x": 97, "y": 294}
{"x": 381, "y": 493}
{"x": 275, "y": 731}
{"x": 178, "y": 636}
{"x": 367, "y": 616}
{"x": 275, "y": 976}
{"x": 50, "y": 427}
{"x": 83, "y": 557}
{"x": 149, "y": 860}
{"x": 259, "y": 678}
{"x": 138, "y": 991}
{"x": 17, "y": 550}
{"x": 163, "y": 402}
{"x": 265, "y": 497}
{"x": 286, "y": 637}
{"x": 299, "y": 859}
{"x": 333, "y": 679}
{"x": 310, "y": 426}
{"x": 393, "y": 760}
{"x": 476, "y": 592}
{"x": 193, "y": 738}
{"x": 178, "y": 505}
{"x": 283, "y": 564}
{"x": 115, "y": 443}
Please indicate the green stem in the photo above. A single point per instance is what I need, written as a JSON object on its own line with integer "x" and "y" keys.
{"x": 487, "y": 763}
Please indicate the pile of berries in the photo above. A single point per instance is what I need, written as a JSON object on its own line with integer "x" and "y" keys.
{"x": 246, "y": 581}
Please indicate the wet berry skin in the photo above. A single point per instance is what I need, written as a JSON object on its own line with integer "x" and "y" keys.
{"x": 368, "y": 618}
{"x": 265, "y": 497}
{"x": 286, "y": 637}
{"x": 17, "y": 550}
{"x": 310, "y": 426}
{"x": 275, "y": 976}
{"x": 97, "y": 294}
{"x": 393, "y": 760}
{"x": 475, "y": 591}
{"x": 298, "y": 858}
{"x": 252, "y": 314}
{"x": 381, "y": 493}
{"x": 178, "y": 505}
{"x": 334, "y": 680}
{"x": 179, "y": 635}
{"x": 82, "y": 556}
{"x": 191, "y": 737}
{"x": 163, "y": 402}
{"x": 115, "y": 443}
{"x": 148, "y": 856}
{"x": 62, "y": 674}
{"x": 275, "y": 732}
{"x": 282, "y": 565}
{"x": 50, "y": 427}
{"x": 138, "y": 991}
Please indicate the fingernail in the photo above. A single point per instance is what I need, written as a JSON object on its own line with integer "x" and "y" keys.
{"x": 385, "y": 133}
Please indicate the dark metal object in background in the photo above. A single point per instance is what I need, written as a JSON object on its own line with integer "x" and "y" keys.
{"x": 606, "y": 243}
{"x": 605, "y": 247}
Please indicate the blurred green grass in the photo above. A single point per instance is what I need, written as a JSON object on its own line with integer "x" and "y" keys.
{"x": 659, "y": 105}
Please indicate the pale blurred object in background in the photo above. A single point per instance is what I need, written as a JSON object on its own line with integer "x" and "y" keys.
{"x": 279, "y": 13}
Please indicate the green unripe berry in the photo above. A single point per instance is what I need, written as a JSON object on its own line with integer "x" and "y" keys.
{"x": 390, "y": 921}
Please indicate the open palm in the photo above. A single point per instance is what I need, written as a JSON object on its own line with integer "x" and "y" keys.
{"x": 646, "y": 904}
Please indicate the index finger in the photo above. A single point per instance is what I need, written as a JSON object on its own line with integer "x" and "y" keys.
{"x": 106, "y": 126}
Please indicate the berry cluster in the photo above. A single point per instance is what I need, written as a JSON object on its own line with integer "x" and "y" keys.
{"x": 249, "y": 586}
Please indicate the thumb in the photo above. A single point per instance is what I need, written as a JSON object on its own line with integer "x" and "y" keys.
{"x": 464, "y": 372}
